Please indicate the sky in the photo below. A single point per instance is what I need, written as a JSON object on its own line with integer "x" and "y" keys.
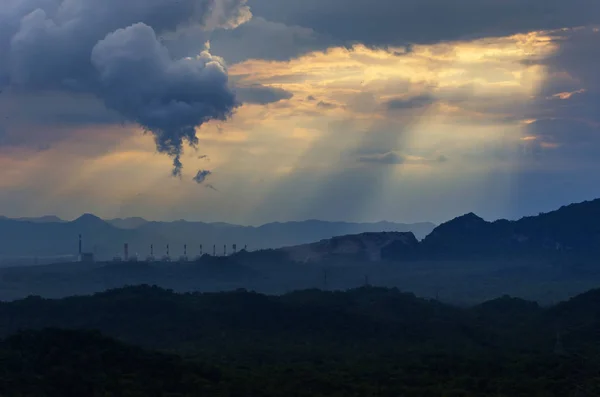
{"x": 274, "y": 110}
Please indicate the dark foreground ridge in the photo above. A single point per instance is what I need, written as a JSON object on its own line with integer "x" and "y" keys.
{"x": 364, "y": 342}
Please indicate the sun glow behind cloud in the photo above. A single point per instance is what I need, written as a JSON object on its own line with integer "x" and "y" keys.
{"x": 472, "y": 119}
{"x": 447, "y": 112}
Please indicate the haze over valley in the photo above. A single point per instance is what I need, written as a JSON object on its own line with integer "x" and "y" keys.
{"x": 467, "y": 260}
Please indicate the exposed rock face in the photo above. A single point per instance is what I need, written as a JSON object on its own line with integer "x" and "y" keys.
{"x": 367, "y": 246}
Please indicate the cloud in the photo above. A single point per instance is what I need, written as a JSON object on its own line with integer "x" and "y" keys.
{"x": 263, "y": 39}
{"x": 395, "y": 158}
{"x": 326, "y": 105}
{"x": 389, "y": 158}
{"x": 403, "y": 22}
{"x": 565, "y": 122}
{"x": 410, "y": 103}
{"x": 260, "y": 94}
{"x": 201, "y": 176}
{"x": 166, "y": 97}
{"x": 113, "y": 52}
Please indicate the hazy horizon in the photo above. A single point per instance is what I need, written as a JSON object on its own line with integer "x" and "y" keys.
{"x": 199, "y": 220}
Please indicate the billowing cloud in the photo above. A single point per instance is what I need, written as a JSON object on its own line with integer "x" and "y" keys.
{"x": 168, "y": 98}
{"x": 112, "y": 50}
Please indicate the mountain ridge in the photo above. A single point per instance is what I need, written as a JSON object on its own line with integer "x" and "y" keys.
{"x": 105, "y": 238}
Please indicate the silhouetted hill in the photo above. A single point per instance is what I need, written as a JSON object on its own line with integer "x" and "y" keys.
{"x": 366, "y": 341}
{"x": 20, "y": 238}
{"x": 58, "y": 363}
{"x": 41, "y": 219}
{"x": 572, "y": 229}
{"x": 372, "y": 318}
{"x": 357, "y": 247}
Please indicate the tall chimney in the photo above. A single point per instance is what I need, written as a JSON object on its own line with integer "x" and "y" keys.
{"x": 151, "y": 249}
{"x": 80, "y": 245}
{"x": 224, "y": 249}
{"x": 167, "y": 249}
{"x": 200, "y": 249}
{"x": 184, "y": 249}
{"x": 214, "y": 250}
{"x": 126, "y": 251}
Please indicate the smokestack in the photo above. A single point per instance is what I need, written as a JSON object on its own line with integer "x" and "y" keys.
{"x": 167, "y": 249}
{"x": 224, "y": 249}
{"x": 214, "y": 250}
{"x": 126, "y": 251}
{"x": 151, "y": 249}
{"x": 200, "y": 249}
{"x": 184, "y": 249}
{"x": 80, "y": 245}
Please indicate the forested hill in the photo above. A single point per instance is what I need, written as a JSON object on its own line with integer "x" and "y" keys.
{"x": 364, "y": 342}
{"x": 368, "y": 316}
{"x": 570, "y": 229}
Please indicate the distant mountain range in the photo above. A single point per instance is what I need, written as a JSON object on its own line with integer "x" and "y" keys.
{"x": 52, "y": 236}
{"x": 572, "y": 231}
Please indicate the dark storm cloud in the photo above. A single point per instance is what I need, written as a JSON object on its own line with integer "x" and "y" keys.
{"x": 110, "y": 49}
{"x": 260, "y": 94}
{"x": 401, "y": 22}
{"x": 283, "y": 29}
{"x": 168, "y": 98}
{"x": 201, "y": 176}
{"x": 410, "y": 103}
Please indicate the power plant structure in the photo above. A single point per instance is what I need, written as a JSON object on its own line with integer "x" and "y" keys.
{"x": 167, "y": 257}
{"x": 125, "y": 256}
{"x": 199, "y": 256}
{"x": 184, "y": 257}
{"x": 85, "y": 257}
{"x": 151, "y": 258}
